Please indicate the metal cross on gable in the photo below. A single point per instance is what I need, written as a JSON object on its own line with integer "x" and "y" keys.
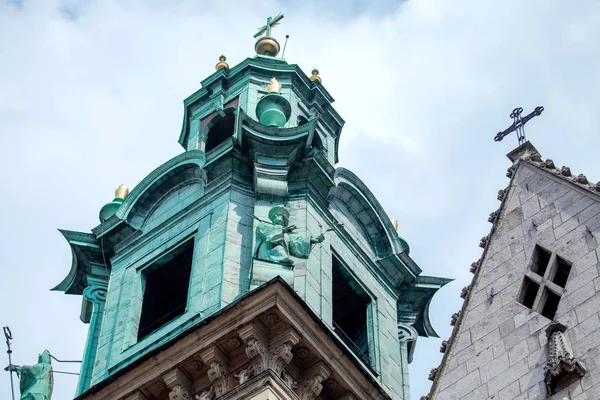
{"x": 518, "y": 124}
{"x": 271, "y": 22}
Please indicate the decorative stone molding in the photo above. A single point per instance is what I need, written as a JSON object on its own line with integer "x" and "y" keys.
{"x": 565, "y": 171}
{"x": 218, "y": 370}
{"x": 208, "y": 394}
{"x": 474, "y": 267}
{"x": 465, "y": 291}
{"x": 179, "y": 383}
{"x": 501, "y": 194}
{"x": 302, "y": 353}
{"x": 432, "y": 374}
{"x": 561, "y": 361}
{"x": 137, "y": 396}
{"x": 493, "y": 216}
{"x": 443, "y": 346}
{"x": 256, "y": 347}
{"x": 243, "y": 375}
{"x": 289, "y": 380}
{"x": 280, "y": 350}
{"x": 311, "y": 386}
{"x": 581, "y": 179}
{"x": 454, "y": 318}
{"x": 549, "y": 164}
{"x": 271, "y": 319}
{"x": 156, "y": 388}
{"x": 484, "y": 240}
{"x": 179, "y": 393}
{"x": 234, "y": 342}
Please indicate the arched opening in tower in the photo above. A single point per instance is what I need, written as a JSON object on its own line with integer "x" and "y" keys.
{"x": 220, "y": 132}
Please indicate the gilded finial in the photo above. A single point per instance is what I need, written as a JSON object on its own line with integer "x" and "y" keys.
{"x": 315, "y": 75}
{"x": 394, "y": 223}
{"x": 222, "y": 64}
{"x": 122, "y": 192}
{"x": 274, "y": 86}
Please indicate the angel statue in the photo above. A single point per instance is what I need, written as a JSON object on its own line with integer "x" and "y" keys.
{"x": 276, "y": 241}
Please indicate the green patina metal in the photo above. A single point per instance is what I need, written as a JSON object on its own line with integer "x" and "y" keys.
{"x": 36, "y": 381}
{"x": 276, "y": 240}
{"x": 255, "y": 202}
{"x": 273, "y": 110}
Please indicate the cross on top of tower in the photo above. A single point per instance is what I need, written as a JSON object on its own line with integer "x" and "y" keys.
{"x": 519, "y": 124}
{"x": 271, "y": 22}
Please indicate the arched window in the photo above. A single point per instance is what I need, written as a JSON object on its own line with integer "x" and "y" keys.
{"x": 220, "y": 131}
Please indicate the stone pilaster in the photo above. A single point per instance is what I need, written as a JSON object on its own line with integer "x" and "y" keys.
{"x": 311, "y": 386}
{"x": 179, "y": 383}
{"x": 218, "y": 369}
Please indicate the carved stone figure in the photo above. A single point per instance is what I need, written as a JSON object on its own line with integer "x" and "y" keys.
{"x": 243, "y": 375}
{"x": 276, "y": 240}
{"x": 36, "y": 381}
{"x": 289, "y": 380}
{"x": 208, "y": 394}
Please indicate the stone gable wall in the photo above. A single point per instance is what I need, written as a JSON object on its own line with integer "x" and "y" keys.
{"x": 499, "y": 347}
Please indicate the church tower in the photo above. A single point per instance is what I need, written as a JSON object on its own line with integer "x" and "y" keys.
{"x": 529, "y": 327}
{"x": 249, "y": 266}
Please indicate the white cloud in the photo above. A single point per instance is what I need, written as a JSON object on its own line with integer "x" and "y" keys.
{"x": 93, "y": 100}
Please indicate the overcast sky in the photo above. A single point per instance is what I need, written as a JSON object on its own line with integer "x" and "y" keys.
{"x": 91, "y": 96}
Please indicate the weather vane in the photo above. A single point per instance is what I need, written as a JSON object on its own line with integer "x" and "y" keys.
{"x": 518, "y": 124}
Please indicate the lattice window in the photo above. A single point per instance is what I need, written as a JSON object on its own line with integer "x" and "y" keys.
{"x": 544, "y": 282}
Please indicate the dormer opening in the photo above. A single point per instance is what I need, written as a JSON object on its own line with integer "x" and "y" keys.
{"x": 166, "y": 283}
{"x": 220, "y": 131}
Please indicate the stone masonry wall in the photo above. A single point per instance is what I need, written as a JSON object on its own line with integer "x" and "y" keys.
{"x": 499, "y": 349}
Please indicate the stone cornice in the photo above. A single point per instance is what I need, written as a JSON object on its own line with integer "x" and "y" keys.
{"x": 288, "y": 321}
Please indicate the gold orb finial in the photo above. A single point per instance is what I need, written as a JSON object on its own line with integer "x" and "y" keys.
{"x": 122, "y": 192}
{"x": 394, "y": 223}
{"x": 315, "y": 75}
{"x": 222, "y": 64}
{"x": 274, "y": 86}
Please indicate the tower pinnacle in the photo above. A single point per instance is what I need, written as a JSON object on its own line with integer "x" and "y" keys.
{"x": 268, "y": 45}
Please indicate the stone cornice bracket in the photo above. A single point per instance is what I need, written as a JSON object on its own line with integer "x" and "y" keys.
{"x": 256, "y": 347}
{"x": 136, "y": 396}
{"x": 280, "y": 349}
{"x": 311, "y": 386}
{"x": 218, "y": 369}
{"x": 270, "y": 176}
{"x": 179, "y": 383}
